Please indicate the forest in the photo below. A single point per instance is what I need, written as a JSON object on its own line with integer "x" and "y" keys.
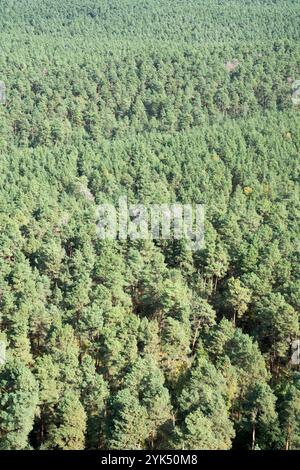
{"x": 145, "y": 344}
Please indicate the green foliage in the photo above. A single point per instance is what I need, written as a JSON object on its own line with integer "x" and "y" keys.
{"x": 144, "y": 390}
{"x": 18, "y": 404}
{"x": 67, "y": 432}
{"x": 144, "y": 344}
{"x": 202, "y": 403}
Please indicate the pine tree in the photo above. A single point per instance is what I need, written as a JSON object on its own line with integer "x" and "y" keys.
{"x": 203, "y": 401}
{"x": 94, "y": 393}
{"x": 128, "y": 428}
{"x": 238, "y": 298}
{"x": 18, "y": 405}
{"x": 67, "y": 432}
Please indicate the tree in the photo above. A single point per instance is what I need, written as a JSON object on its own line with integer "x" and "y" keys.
{"x": 203, "y": 402}
{"x": 145, "y": 382}
{"x": 238, "y": 298}
{"x": 64, "y": 350}
{"x": 47, "y": 375}
{"x": 203, "y": 317}
{"x": 94, "y": 394}
{"x": 277, "y": 328}
{"x": 197, "y": 433}
{"x": 67, "y": 432}
{"x": 289, "y": 411}
{"x": 128, "y": 428}
{"x": 18, "y": 405}
{"x": 260, "y": 407}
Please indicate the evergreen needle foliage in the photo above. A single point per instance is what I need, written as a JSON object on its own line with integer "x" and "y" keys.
{"x": 143, "y": 344}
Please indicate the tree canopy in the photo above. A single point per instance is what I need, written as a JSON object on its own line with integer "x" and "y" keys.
{"x": 145, "y": 344}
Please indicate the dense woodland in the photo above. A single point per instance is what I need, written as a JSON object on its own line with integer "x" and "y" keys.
{"x": 145, "y": 344}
